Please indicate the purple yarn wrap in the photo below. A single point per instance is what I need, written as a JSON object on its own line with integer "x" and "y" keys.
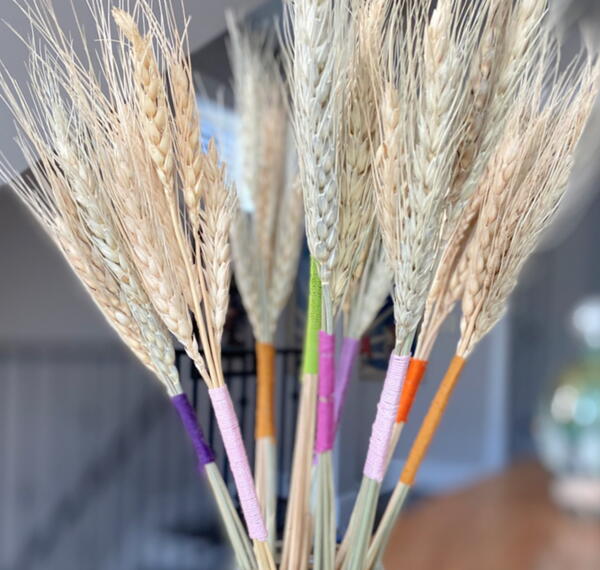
{"x": 325, "y": 408}
{"x": 343, "y": 373}
{"x": 204, "y": 453}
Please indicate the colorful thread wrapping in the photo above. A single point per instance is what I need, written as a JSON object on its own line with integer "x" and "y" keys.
{"x": 414, "y": 375}
{"x": 343, "y": 373}
{"x": 204, "y": 453}
{"x": 265, "y": 390}
{"x": 310, "y": 364}
{"x": 432, "y": 421}
{"x": 325, "y": 410}
{"x": 238, "y": 460}
{"x": 387, "y": 408}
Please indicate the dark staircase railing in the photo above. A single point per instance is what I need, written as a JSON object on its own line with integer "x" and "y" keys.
{"x": 240, "y": 373}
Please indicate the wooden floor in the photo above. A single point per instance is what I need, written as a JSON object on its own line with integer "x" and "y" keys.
{"x": 505, "y": 523}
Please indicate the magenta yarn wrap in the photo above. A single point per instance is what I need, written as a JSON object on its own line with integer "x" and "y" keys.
{"x": 238, "y": 460}
{"x": 189, "y": 420}
{"x": 325, "y": 410}
{"x": 387, "y": 409}
{"x": 343, "y": 372}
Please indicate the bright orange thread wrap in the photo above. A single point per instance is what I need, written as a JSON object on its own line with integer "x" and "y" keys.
{"x": 432, "y": 420}
{"x": 416, "y": 372}
{"x": 265, "y": 390}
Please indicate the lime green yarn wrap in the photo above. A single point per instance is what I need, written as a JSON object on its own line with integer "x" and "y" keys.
{"x": 313, "y": 322}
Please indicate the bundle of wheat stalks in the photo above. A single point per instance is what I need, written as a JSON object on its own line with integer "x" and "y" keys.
{"x": 266, "y": 242}
{"x": 434, "y": 142}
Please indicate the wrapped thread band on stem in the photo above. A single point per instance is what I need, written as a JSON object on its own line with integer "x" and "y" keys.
{"x": 432, "y": 420}
{"x": 204, "y": 453}
{"x": 265, "y": 390}
{"x": 387, "y": 409}
{"x": 343, "y": 373}
{"x": 310, "y": 363}
{"x": 238, "y": 460}
{"x": 325, "y": 408}
{"x": 414, "y": 375}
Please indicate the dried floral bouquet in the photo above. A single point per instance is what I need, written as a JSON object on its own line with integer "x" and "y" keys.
{"x": 434, "y": 142}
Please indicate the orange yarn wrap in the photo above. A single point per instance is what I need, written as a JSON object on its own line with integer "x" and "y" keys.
{"x": 265, "y": 390}
{"x": 432, "y": 420}
{"x": 416, "y": 371}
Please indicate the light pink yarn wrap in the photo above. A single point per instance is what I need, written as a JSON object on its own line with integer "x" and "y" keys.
{"x": 387, "y": 409}
{"x": 238, "y": 460}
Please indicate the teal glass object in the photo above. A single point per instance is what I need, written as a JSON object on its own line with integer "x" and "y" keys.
{"x": 567, "y": 424}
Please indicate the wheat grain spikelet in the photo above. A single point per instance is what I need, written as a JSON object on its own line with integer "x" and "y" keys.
{"x": 526, "y": 180}
{"x": 420, "y": 130}
{"x": 65, "y": 198}
{"x": 266, "y": 242}
{"x": 448, "y": 283}
{"x": 523, "y": 39}
{"x": 370, "y": 292}
{"x": 357, "y": 137}
{"x": 485, "y": 69}
{"x": 508, "y": 51}
{"x": 317, "y": 72}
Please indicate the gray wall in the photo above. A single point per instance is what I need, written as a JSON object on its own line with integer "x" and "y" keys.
{"x": 40, "y": 299}
{"x": 542, "y": 339}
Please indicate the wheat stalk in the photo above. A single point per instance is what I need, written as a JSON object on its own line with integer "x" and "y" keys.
{"x": 512, "y": 227}
{"x": 157, "y": 235}
{"x": 522, "y": 188}
{"x": 357, "y": 136}
{"x": 318, "y": 71}
{"x": 266, "y": 242}
{"x": 316, "y": 75}
{"x": 68, "y": 201}
{"x": 419, "y": 138}
{"x": 507, "y": 52}
{"x": 448, "y": 282}
{"x": 268, "y": 239}
{"x": 206, "y": 263}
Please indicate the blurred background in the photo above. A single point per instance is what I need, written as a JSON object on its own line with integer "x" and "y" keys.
{"x": 96, "y": 473}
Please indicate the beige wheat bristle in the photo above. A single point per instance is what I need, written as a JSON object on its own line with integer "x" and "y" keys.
{"x": 358, "y": 135}
{"x": 109, "y": 143}
{"x": 525, "y": 182}
{"x": 67, "y": 202}
{"x": 371, "y": 291}
{"x": 266, "y": 242}
{"x": 508, "y": 51}
{"x": 420, "y": 130}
